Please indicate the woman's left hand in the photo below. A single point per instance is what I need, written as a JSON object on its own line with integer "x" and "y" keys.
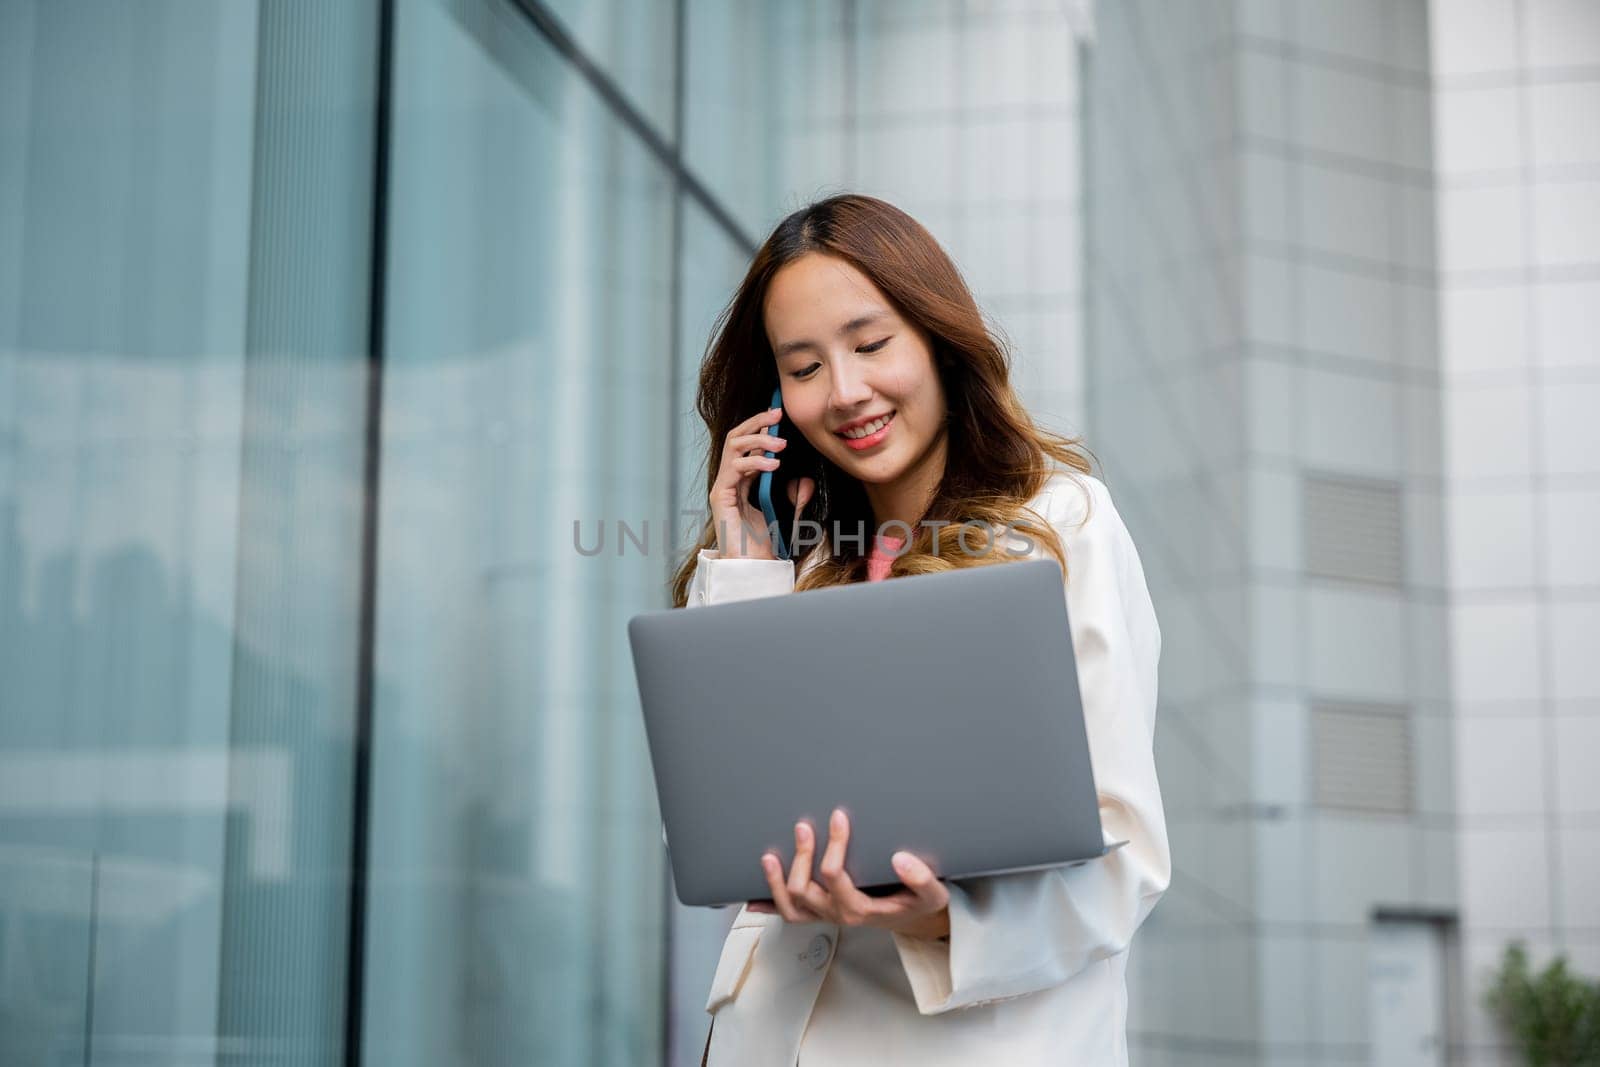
{"x": 921, "y": 910}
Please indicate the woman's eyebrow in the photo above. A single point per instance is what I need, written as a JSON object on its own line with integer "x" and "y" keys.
{"x": 850, "y": 327}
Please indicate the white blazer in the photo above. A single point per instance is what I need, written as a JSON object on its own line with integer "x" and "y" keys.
{"x": 1033, "y": 971}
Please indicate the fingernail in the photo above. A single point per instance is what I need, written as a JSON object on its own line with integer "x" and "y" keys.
{"x": 802, "y": 830}
{"x": 900, "y": 860}
{"x": 837, "y": 820}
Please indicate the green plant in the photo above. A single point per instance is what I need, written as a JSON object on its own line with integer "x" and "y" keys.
{"x": 1554, "y": 1016}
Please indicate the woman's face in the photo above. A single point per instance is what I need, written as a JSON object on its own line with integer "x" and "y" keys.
{"x": 845, "y": 358}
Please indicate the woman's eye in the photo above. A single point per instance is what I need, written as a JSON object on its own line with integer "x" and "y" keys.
{"x": 804, "y": 374}
{"x": 874, "y": 346}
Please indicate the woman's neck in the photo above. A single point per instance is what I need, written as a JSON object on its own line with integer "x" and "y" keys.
{"x": 906, "y": 499}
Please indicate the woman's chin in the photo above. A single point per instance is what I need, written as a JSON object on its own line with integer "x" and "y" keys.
{"x": 874, "y": 470}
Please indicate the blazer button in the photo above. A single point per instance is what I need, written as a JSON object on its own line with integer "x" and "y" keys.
{"x": 699, "y": 596}
{"x": 818, "y": 951}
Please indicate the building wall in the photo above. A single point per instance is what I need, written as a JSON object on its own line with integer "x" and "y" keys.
{"x": 1264, "y": 382}
{"x": 1351, "y": 721}
{"x": 1517, "y": 127}
{"x": 1357, "y": 456}
{"x": 1167, "y": 422}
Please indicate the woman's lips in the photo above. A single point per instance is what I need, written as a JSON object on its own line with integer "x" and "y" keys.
{"x": 871, "y": 439}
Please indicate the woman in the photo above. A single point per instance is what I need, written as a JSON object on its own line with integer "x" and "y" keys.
{"x": 906, "y": 419}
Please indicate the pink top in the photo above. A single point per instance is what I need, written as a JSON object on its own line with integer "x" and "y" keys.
{"x": 882, "y": 556}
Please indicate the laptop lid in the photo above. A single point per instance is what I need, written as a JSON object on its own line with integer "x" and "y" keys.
{"x": 941, "y": 711}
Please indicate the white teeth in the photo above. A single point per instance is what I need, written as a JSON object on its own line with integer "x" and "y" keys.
{"x": 869, "y": 429}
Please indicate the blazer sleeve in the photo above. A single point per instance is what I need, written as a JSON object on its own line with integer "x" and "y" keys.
{"x": 1014, "y": 934}
{"x": 722, "y": 581}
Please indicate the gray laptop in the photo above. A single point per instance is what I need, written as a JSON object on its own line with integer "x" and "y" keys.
{"x": 941, "y": 711}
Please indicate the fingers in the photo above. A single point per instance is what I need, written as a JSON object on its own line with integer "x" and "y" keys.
{"x": 884, "y": 910}
{"x": 743, "y": 458}
{"x": 755, "y": 422}
{"x": 752, "y": 433}
{"x": 735, "y": 467}
{"x": 924, "y": 894}
{"x": 758, "y": 431}
{"x": 919, "y": 878}
{"x": 740, "y": 529}
{"x": 750, "y": 453}
{"x": 743, "y": 451}
{"x": 838, "y": 841}
{"x": 757, "y": 442}
{"x": 832, "y": 895}
{"x": 849, "y": 903}
{"x": 805, "y": 842}
{"x": 786, "y": 906}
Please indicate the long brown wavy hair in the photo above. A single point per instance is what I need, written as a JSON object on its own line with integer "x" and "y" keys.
{"x": 997, "y": 459}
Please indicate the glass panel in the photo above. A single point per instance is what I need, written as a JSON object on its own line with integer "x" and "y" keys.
{"x": 179, "y": 507}
{"x": 633, "y": 43}
{"x": 516, "y": 911}
{"x": 767, "y": 119}
{"x": 731, "y": 55}
{"x": 710, "y": 268}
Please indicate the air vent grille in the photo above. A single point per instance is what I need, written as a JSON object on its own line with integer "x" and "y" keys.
{"x": 1353, "y": 529}
{"x": 1362, "y": 757}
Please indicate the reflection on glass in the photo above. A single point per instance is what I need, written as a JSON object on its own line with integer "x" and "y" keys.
{"x": 633, "y": 43}
{"x": 515, "y": 905}
{"x": 710, "y": 265}
{"x": 180, "y": 383}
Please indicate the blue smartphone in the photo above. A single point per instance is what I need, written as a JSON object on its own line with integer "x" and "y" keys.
{"x": 771, "y": 490}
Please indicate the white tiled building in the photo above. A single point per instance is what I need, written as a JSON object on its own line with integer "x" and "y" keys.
{"x": 1517, "y": 121}
{"x": 1343, "y": 371}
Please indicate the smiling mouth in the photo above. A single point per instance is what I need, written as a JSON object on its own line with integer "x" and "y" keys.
{"x": 868, "y": 433}
{"x": 871, "y": 435}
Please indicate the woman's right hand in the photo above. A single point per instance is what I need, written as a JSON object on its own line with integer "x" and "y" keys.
{"x": 742, "y": 528}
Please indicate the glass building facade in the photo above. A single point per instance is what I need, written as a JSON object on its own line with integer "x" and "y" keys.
{"x": 342, "y": 343}
{"x": 320, "y": 325}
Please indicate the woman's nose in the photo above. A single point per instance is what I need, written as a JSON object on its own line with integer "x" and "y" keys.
{"x": 849, "y": 389}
